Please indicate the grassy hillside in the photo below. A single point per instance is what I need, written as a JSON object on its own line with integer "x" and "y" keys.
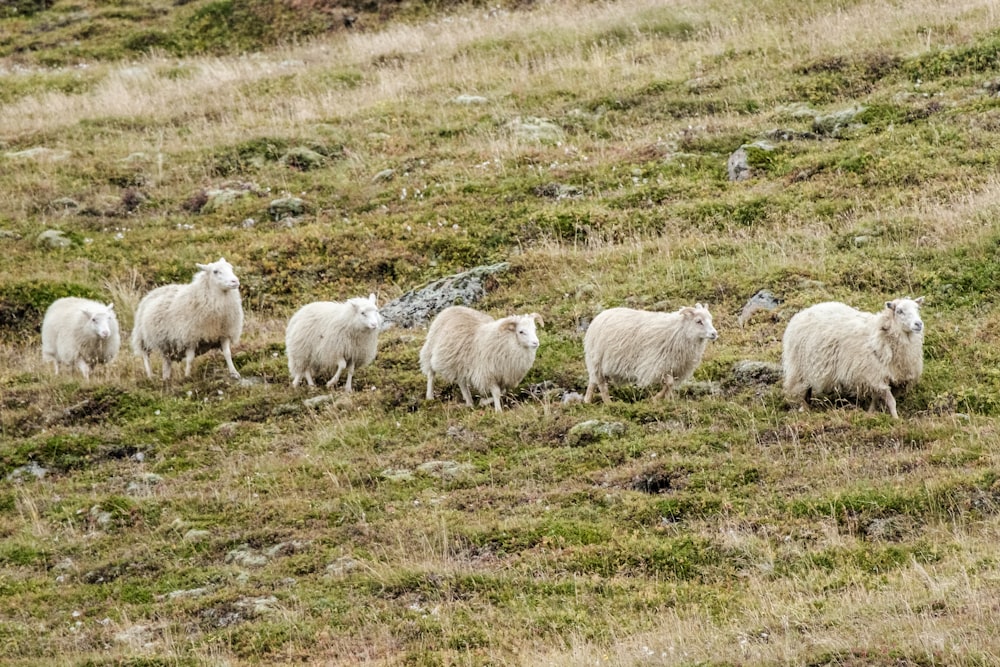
{"x": 210, "y": 521}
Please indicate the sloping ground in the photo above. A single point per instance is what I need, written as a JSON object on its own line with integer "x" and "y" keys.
{"x": 212, "y": 521}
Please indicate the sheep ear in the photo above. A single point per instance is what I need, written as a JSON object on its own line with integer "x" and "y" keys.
{"x": 111, "y": 306}
{"x": 509, "y": 325}
{"x": 538, "y": 319}
{"x": 919, "y": 301}
{"x": 201, "y": 267}
{"x": 371, "y": 297}
{"x": 698, "y": 305}
{"x": 891, "y": 305}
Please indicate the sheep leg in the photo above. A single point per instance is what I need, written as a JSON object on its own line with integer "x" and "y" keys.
{"x": 309, "y": 379}
{"x": 188, "y": 360}
{"x": 603, "y": 386}
{"x": 589, "y": 396}
{"x": 466, "y": 394}
{"x": 495, "y": 390}
{"x": 55, "y": 366}
{"x": 890, "y": 402}
{"x": 430, "y": 385}
{"x": 84, "y": 368}
{"x": 146, "y": 365}
{"x": 341, "y": 365}
{"x": 228, "y": 354}
{"x": 350, "y": 376}
{"x": 666, "y": 390}
{"x": 166, "y": 368}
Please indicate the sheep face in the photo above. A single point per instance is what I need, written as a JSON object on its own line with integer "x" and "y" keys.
{"x": 523, "y": 329}
{"x": 699, "y": 318}
{"x": 367, "y": 311}
{"x": 221, "y": 274}
{"x": 100, "y": 321}
{"x": 906, "y": 314}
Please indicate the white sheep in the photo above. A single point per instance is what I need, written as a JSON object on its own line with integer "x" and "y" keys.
{"x": 182, "y": 321}
{"x": 645, "y": 347}
{"x": 475, "y": 351}
{"x": 327, "y": 335}
{"x": 832, "y": 348}
{"x": 79, "y": 332}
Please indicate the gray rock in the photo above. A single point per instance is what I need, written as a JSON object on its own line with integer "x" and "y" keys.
{"x": 221, "y": 198}
{"x": 286, "y": 207}
{"x": 317, "y": 401}
{"x": 541, "y": 130}
{"x": 838, "y": 123}
{"x": 54, "y": 238}
{"x": 341, "y": 566}
{"x": 762, "y": 300}
{"x": 302, "y": 158}
{"x": 692, "y": 389}
{"x": 592, "y": 430}
{"x": 187, "y": 593}
{"x": 397, "y": 474}
{"x": 384, "y": 176}
{"x": 246, "y": 557}
{"x": 738, "y": 165}
{"x": 7, "y": 234}
{"x": 748, "y": 373}
{"x": 417, "y": 307}
{"x": 446, "y": 470}
{"x": 32, "y": 469}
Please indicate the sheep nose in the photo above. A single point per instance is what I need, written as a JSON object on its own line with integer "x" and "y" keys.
{"x": 918, "y": 326}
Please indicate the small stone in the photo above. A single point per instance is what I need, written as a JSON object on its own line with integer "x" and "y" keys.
{"x": 303, "y": 159}
{"x": 748, "y": 373}
{"x": 541, "y": 130}
{"x": 446, "y": 470}
{"x": 54, "y": 238}
{"x": 397, "y": 474}
{"x": 317, "y": 401}
{"x": 286, "y": 207}
{"x": 469, "y": 99}
{"x": 592, "y": 430}
{"x": 197, "y": 535}
{"x": 384, "y": 176}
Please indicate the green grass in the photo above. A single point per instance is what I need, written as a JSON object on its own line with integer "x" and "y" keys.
{"x": 211, "y": 521}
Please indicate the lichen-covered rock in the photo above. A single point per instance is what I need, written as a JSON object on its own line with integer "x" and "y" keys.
{"x": 593, "y": 429}
{"x": 417, "y": 307}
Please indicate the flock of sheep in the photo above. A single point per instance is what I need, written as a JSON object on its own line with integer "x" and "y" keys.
{"x": 828, "y": 348}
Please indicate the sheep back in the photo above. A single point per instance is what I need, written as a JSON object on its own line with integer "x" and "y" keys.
{"x": 647, "y": 348}
{"x": 76, "y": 331}
{"x": 324, "y": 334}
